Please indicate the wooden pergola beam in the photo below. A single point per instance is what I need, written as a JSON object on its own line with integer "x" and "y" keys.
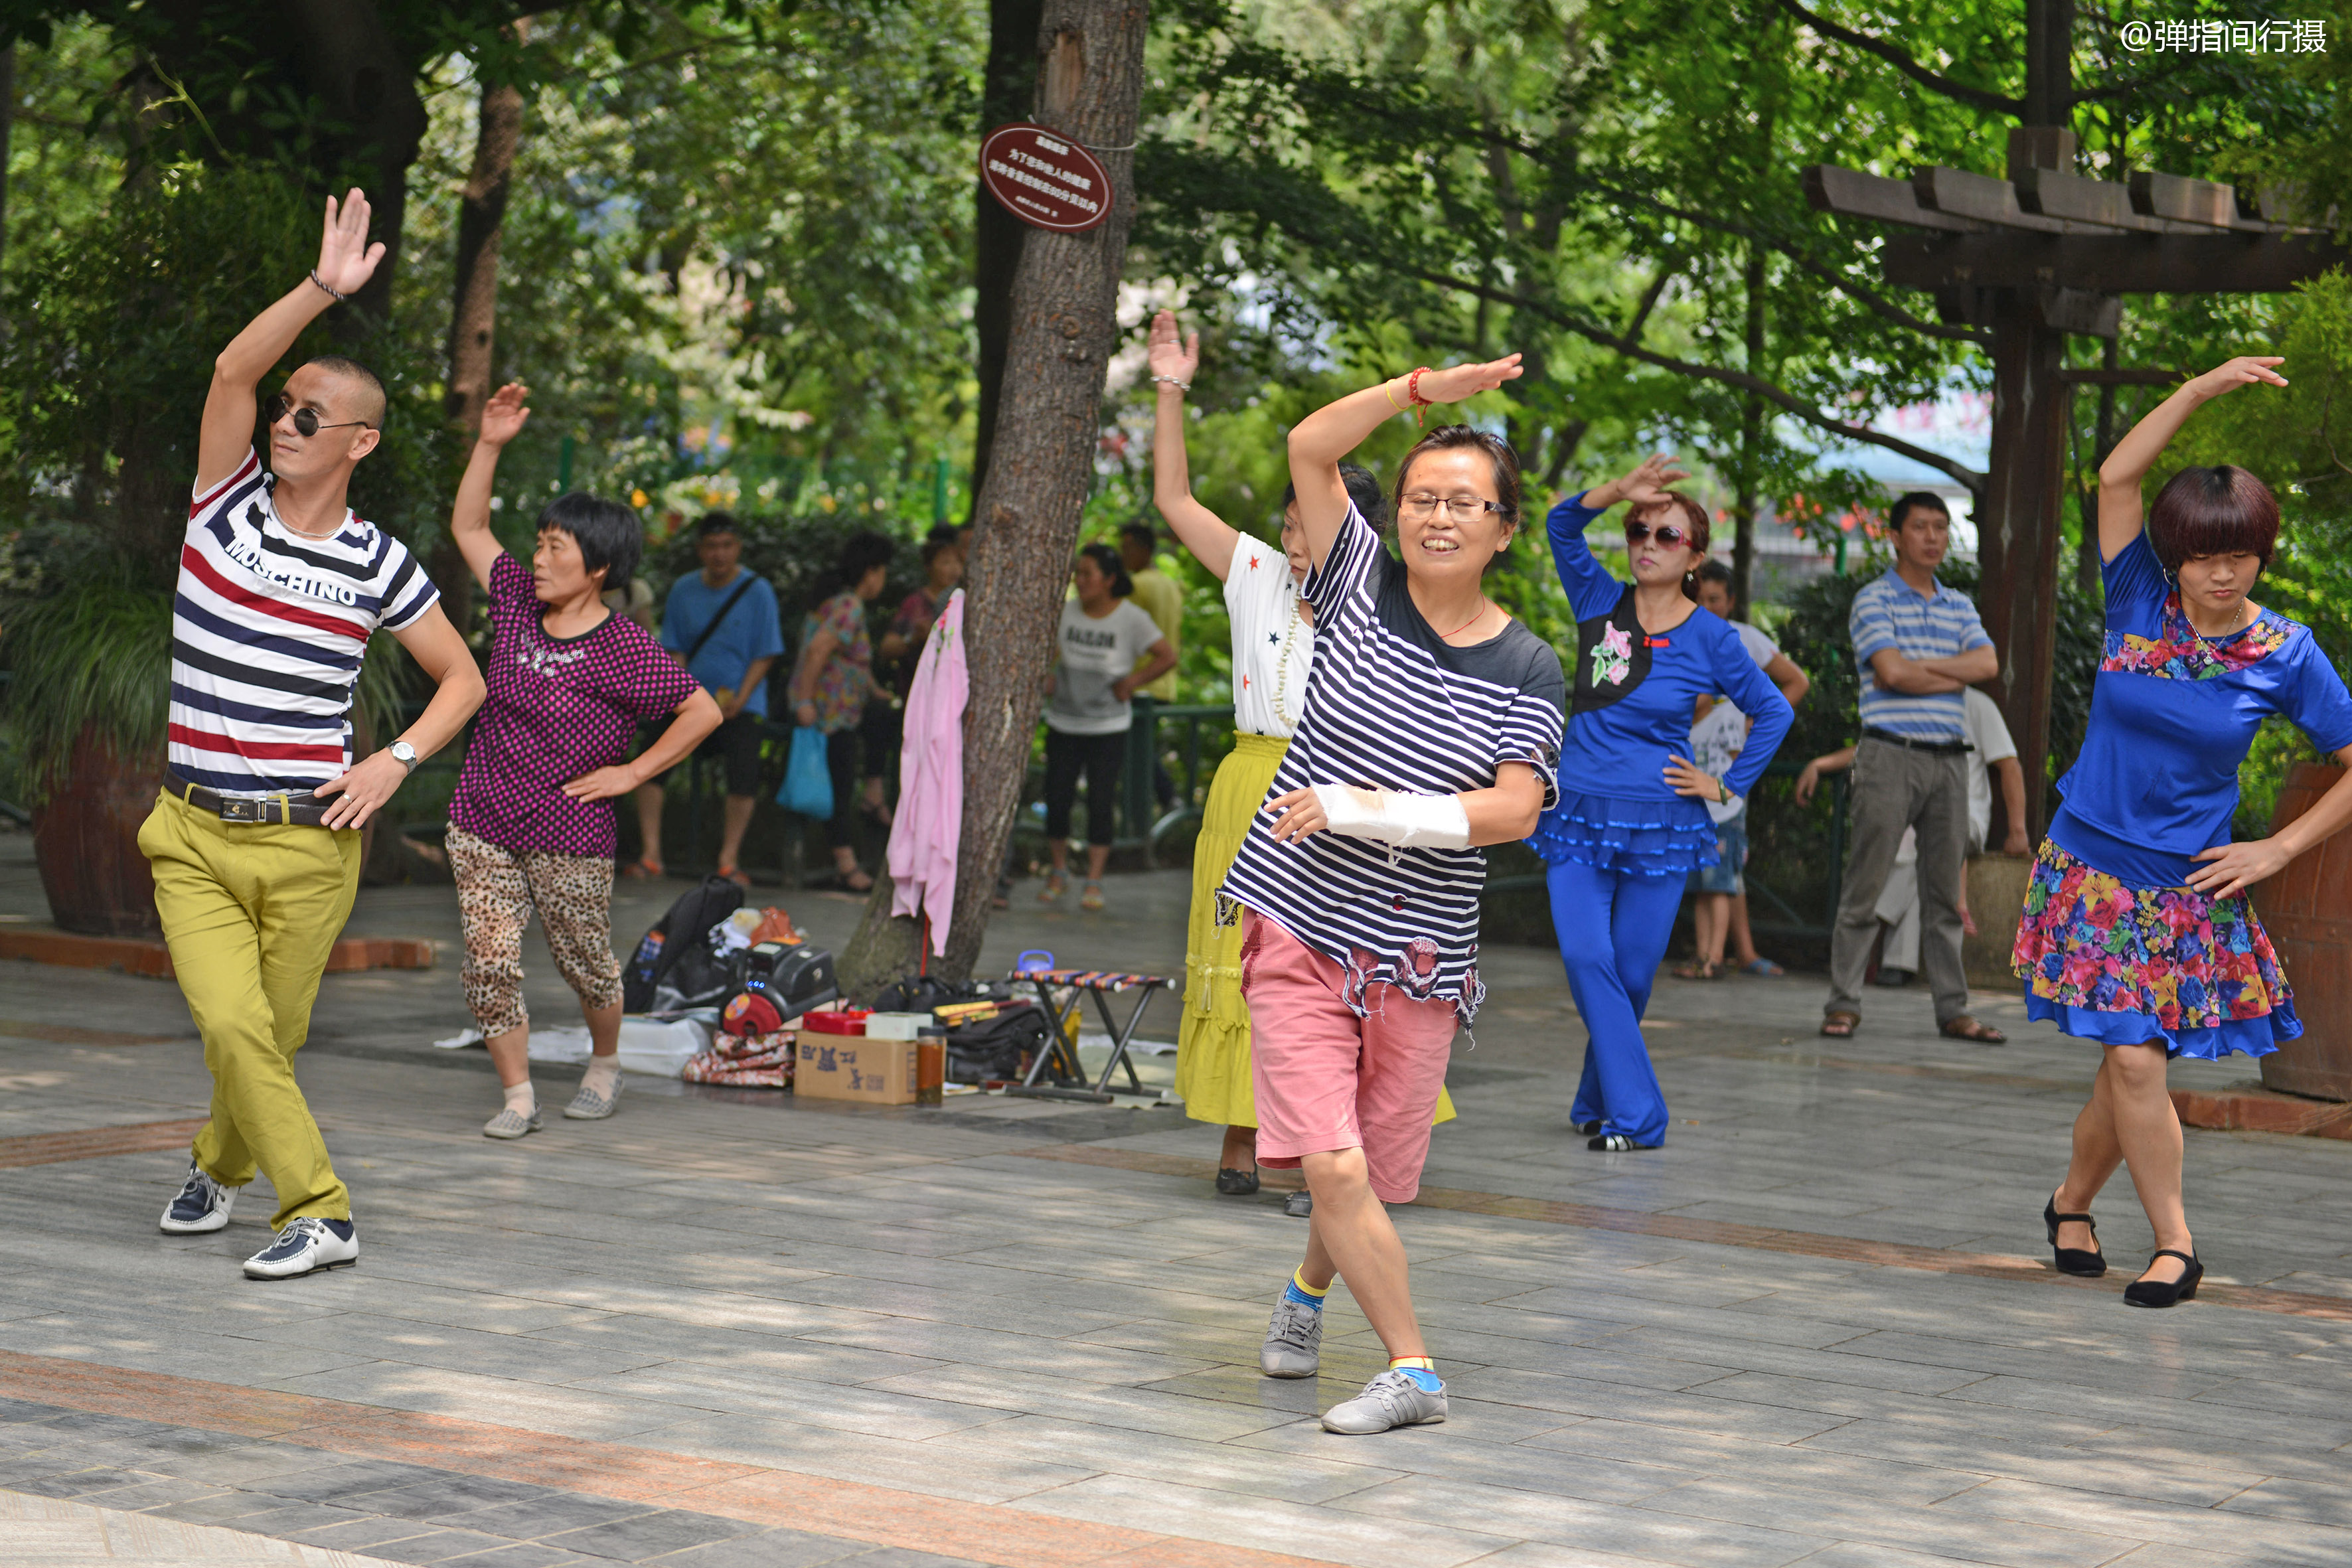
{"x": 2231, "y": 263}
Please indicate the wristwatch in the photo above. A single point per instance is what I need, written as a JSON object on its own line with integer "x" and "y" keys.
{"x": 404, "y": 755}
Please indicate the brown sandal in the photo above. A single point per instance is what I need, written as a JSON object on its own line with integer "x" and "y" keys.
{"x": 1698, "y": 968}
{"x": 641, "y": 869}
{"x": 1961, "y": 1027}
{"x": 1841, "y": 1025}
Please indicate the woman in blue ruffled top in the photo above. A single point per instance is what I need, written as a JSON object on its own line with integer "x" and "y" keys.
{"x": 2138, "y": 932}
{"x": 1632, "y": 822}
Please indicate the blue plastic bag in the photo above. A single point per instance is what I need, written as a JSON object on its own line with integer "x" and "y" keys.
{"x": 808, "y": 786}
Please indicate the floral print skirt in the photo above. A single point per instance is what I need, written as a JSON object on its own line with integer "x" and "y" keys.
{"x": 2124, "y": 965}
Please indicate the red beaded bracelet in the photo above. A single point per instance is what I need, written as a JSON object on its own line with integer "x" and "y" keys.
{"x": 1412, "y": 393}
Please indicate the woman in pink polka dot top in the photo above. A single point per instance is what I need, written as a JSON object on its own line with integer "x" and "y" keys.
{"x": 531, "y": 822}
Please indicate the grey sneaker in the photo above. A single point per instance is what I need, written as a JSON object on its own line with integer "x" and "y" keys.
{"x": 203, "y": 1205}
{"x": 1299, "y": 1205}
{"x": 508, "y": 1124}
{"x": 590, "y": 1106}
{"x": 1294, "y": 1341}
{"x": 1391, "y": 1399}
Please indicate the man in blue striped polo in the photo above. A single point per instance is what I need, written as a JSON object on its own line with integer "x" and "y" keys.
{"x": 1919, "y": 645}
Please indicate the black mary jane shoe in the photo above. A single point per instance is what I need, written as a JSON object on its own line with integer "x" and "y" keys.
{"x": 1236, "y": 1184}
{"x": 1615, "y": 1144}
{"x": 1587, "y": 1129}
{"x": 2164, "y": 1292}
{"x": 2074, "y": 1260}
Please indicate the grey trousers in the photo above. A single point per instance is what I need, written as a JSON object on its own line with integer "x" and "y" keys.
{"x": 1894, "y": 788}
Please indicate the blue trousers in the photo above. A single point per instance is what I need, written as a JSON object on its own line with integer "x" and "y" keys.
{"x": 1613, "y": 929}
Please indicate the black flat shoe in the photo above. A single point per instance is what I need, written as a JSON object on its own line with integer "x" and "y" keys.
{"x": 1586, "y": 1129}
{"x": 2074, "y": 1260}
{"x": 1299, "y": 1205}
{"x": 2164, "y": 1292}
{"x": 1615, "y": 1144}
{"x": 1236, "y": 1184}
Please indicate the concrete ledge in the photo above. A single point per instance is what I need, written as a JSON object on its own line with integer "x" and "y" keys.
{"x": 148, "y": 956}
{"x": 2251, "y": 1108}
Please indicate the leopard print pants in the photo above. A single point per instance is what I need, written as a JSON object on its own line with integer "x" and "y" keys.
{"x": 497, "y": 890}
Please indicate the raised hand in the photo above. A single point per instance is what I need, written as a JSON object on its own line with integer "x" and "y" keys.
{"x": 1652, "y": 477}
{"x": 1172, "y": 353}
{"x": 505, "y": 415}
{"x": 2243, "y": 371}
{"x": 1460, "y": 383}
{"x": 346, "y": 261}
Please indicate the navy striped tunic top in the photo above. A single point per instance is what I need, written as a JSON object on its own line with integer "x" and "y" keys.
{"x": 1390, "y": 705}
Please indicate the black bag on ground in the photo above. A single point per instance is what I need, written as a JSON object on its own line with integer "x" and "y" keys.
{"x": 686, "y": 929}
{"x": 994, "y": 1048}
{"x": 920, "y": 993}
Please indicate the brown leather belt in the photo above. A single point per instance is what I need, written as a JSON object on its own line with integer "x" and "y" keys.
{"x": 299, "y": 808}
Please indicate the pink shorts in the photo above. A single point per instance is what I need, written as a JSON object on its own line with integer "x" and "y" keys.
{"x": 1327, "y": 1079}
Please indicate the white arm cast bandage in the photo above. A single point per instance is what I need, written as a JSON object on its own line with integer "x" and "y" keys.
{"x": 1393, "y": 816}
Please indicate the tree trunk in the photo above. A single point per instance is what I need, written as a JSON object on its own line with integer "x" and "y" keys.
{"x": 1751, "y": 444}
{"x": 1008, "y": 92}
{"x": 474, "y": 306}
{"x": 7, "y": 115}
{"x": 363, "y": 77}
{"x": 1064, "y": 323}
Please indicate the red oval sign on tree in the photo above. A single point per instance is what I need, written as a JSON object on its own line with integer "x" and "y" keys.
{"x": 1045, "y": 179}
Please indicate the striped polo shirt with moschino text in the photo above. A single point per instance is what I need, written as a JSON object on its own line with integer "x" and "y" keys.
{"x": 267, "y": 630}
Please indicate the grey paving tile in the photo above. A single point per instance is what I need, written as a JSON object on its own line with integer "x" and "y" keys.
{"x": 77, "y": 1483}
{"x": 650, "y": 1534}
{"x": 770, "y": 1549}
{"x": 440, "y": 1546}
{"x": 447, "y": 1493}
{"x": 904, "y": 1557}
{"x": 346, "y": 1482}
{"x": 547, "y": 1515}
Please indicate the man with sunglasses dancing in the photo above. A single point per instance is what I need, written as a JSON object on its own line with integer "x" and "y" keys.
{"x": 255, "y": 841}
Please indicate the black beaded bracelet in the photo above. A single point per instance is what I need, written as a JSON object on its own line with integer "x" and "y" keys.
{"x": 330, "y": 288}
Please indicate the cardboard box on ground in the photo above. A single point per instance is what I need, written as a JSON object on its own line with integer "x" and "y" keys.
{"x": 851, "y": 1066}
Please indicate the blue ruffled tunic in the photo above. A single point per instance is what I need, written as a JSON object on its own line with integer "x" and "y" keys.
{"x": 1616, "y": 811}
{"x": 2114, "y": 945}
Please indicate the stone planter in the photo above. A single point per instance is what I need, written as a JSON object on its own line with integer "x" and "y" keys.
{"x": 86, "y": 840}
{"x": 2307, "y": 910}
{"x": 1997, "y": 884}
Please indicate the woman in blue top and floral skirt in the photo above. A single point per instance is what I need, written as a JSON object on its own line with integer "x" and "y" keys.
{"x": 2137, "y": 931}
{"x": 1632, "y": 820}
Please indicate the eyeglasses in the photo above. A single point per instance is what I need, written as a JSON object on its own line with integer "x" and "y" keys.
{"x": 1419, "y": 504}
{"x": 306, "y": 420}
{"x": 1666, "y": 534}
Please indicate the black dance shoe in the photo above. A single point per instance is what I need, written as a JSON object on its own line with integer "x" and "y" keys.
{"x": 2164, "y": 1292}
{"x": 2074, "y": 1260}
{"x": 1236, "y": 1184}
{"x": 1586, "y": 1129}
{"x": 1615, "y": 1144}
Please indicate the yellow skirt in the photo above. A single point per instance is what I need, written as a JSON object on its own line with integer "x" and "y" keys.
{"x": 1212, "y": 1047}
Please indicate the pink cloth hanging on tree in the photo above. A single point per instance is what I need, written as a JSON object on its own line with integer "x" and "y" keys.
{"x": 929, "y": 821}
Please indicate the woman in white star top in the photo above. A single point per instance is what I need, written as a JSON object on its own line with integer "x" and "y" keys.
{"x": 1273, "y": 641}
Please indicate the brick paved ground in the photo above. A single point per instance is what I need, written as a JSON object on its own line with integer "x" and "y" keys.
{"x": 724, "y": 1330}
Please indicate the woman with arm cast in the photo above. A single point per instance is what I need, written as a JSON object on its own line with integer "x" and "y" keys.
{"x": 1432, "y": 727}
{"x": 1617, "y": 857}
{"x": 1273, "y": 647}
{"x": 2137, "y": 931}
{"x": 530, "y": 824}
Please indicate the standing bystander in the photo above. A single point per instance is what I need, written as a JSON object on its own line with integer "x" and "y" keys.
{"x": 1162, "y": 598}
{"x": 1720, "y": 911}
{"x": 1919, "y": 645}
{"x": 721, "y": 624}
{"x": 254, "y": 840}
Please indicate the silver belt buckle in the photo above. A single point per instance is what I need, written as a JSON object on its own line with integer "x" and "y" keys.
{"x": 241, "y": 810}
